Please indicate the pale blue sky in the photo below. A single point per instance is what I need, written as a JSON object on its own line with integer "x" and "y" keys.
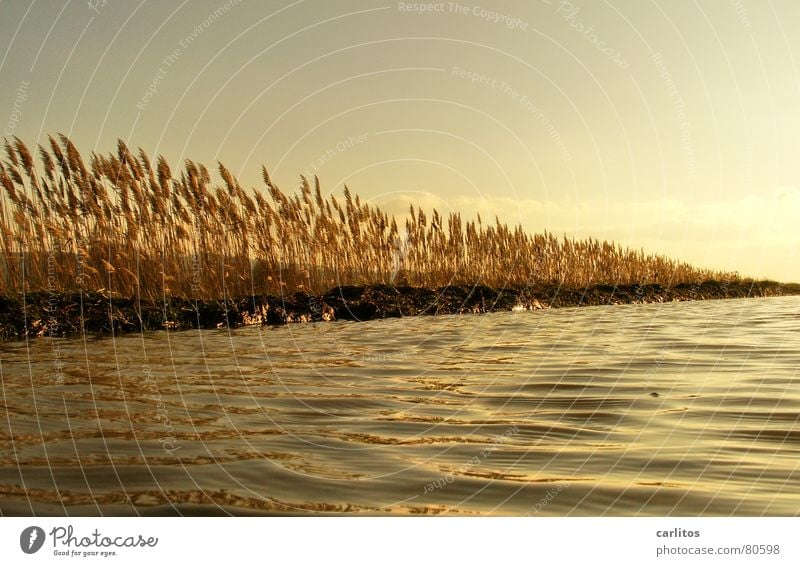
{"x": 665, "y": 125}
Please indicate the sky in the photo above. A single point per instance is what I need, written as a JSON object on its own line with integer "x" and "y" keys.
{"x": 671, "y": 126}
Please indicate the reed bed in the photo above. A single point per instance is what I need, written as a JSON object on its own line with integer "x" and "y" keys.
{"x": 130, "y": 227}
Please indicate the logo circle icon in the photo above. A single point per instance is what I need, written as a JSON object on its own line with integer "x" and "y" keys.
{"x": 31, "y": 539}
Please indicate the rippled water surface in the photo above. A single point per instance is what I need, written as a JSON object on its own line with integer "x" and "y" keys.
{"x": 681, "y": 408}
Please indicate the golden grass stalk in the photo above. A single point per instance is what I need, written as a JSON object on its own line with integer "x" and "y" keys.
{"x": 121, "y": 225}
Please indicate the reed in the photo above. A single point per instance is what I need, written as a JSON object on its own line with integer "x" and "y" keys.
{"x": 130, "y": 227}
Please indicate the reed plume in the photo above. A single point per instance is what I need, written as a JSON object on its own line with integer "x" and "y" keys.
{"x": 119, "y": 224}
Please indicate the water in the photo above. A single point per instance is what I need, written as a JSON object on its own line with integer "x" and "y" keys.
{"x": 674, "y": 409}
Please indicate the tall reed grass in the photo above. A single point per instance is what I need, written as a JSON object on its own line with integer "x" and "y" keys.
{"x": 130, "y": 227}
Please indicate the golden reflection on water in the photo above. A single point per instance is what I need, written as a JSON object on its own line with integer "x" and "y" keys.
{"x": 682, "y": 409}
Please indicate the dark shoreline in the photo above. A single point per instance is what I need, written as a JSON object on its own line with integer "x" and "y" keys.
{"x": 95, "y": 313}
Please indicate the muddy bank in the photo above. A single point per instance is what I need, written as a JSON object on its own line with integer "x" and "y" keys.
{"x": 58, "y": 315}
